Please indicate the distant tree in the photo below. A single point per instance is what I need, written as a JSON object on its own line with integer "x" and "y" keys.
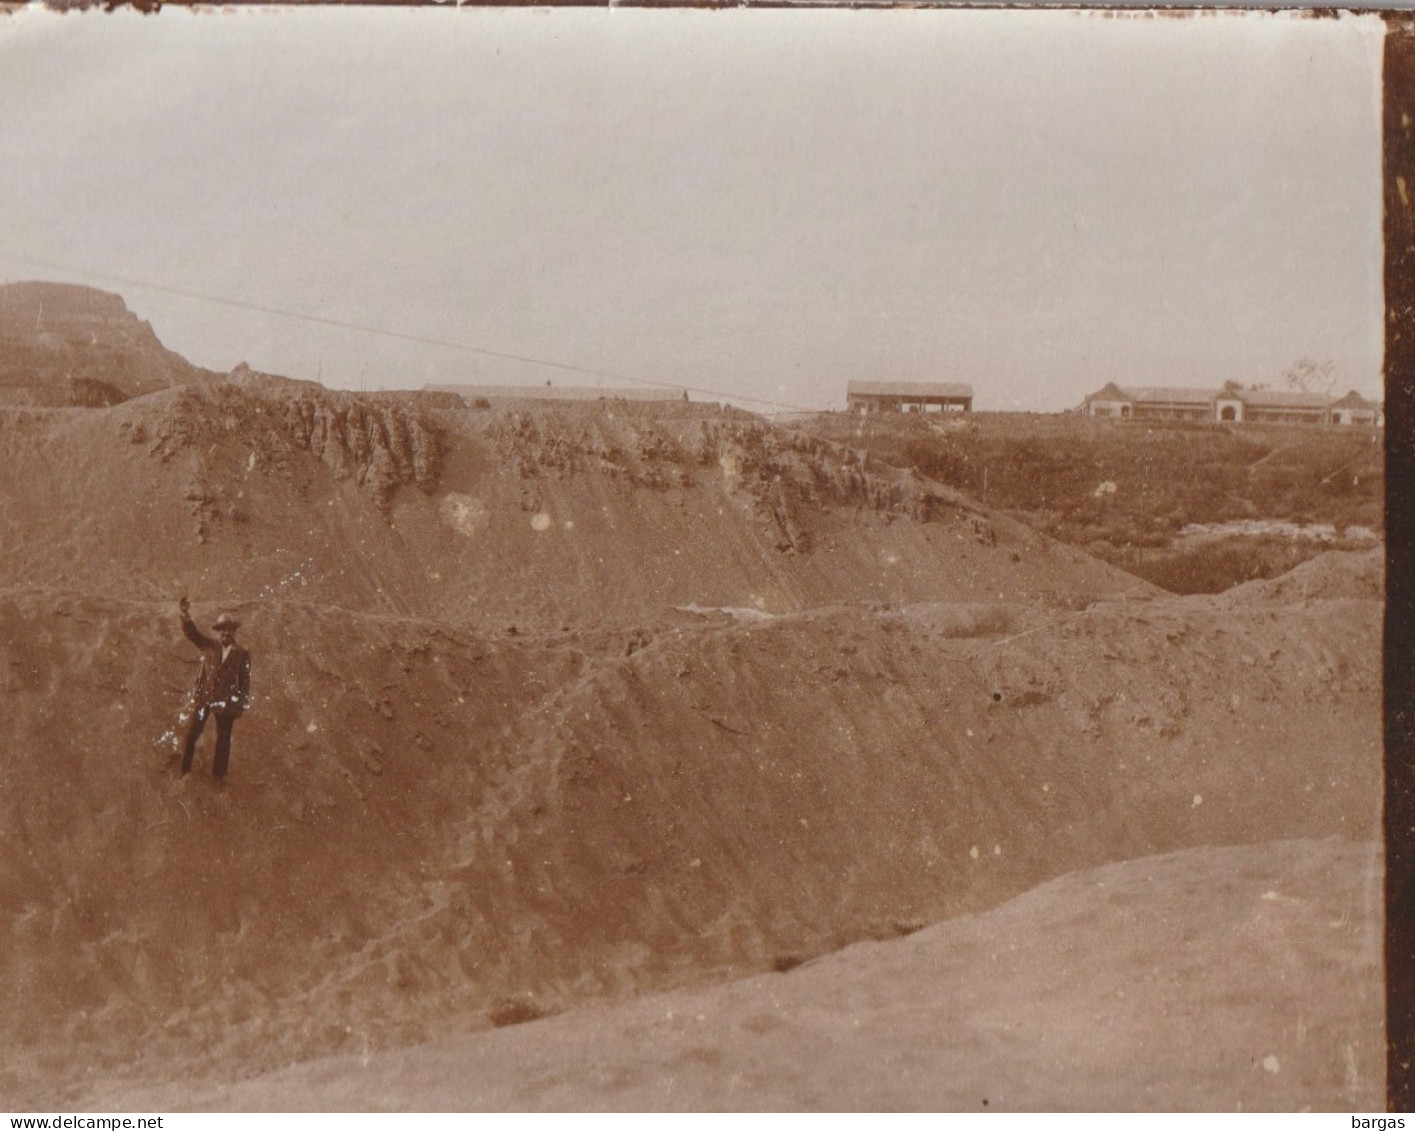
{"x": 1309, "y": 376}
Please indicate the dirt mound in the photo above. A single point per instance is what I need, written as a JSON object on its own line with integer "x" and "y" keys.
{"x": 1158, "y": 961}
{"x": 426, "y": 822}
{"x": 377, "y": 443}
{"x": 530, "y": 517}
{"x": 563, "y": 702}
{"x": 71, "y": 345}
{"x": 1336, "y": 574}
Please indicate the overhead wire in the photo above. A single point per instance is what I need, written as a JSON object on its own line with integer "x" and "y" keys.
{"x": 398, "y": 335}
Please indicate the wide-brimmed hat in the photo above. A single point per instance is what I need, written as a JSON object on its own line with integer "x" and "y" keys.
{"x": 226, "y": 620}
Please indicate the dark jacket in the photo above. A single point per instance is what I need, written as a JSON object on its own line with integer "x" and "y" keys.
{"x": 223, "y": 687}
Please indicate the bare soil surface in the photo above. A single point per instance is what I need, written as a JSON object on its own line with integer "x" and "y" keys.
{"x": 1135, "y": 493}
{"x": 557, "y": 705}
{"x": 1211, "y": 979}
{"x": 528, "y": 517}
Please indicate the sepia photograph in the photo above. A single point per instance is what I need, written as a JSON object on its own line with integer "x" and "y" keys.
{"x": 691, "y": 560}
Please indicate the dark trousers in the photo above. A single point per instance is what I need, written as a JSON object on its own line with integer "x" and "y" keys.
{"x": 224, "y": 722}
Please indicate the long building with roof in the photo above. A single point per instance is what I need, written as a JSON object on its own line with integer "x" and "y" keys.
{"x": 1231, "y": 403}
{"x": 908, "y": 396}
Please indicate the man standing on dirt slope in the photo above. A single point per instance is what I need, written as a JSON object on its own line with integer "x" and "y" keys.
{"x": 223, "y": 686}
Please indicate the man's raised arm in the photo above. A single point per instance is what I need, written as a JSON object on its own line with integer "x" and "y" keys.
{"x": 189, "y": 626}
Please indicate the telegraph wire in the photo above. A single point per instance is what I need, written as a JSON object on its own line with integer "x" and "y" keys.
{"x": 398, "y": 335}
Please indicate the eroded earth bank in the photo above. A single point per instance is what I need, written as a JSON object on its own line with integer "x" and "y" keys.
{"x": 561, "y": 708}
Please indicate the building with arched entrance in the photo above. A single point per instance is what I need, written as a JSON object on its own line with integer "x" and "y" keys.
{"x": 1231, "y": 403}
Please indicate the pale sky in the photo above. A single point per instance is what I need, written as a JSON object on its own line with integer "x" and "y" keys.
{"x": 765, "y": 204}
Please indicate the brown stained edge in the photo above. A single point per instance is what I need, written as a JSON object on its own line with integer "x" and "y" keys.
{"x": 1398, "y": 132}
